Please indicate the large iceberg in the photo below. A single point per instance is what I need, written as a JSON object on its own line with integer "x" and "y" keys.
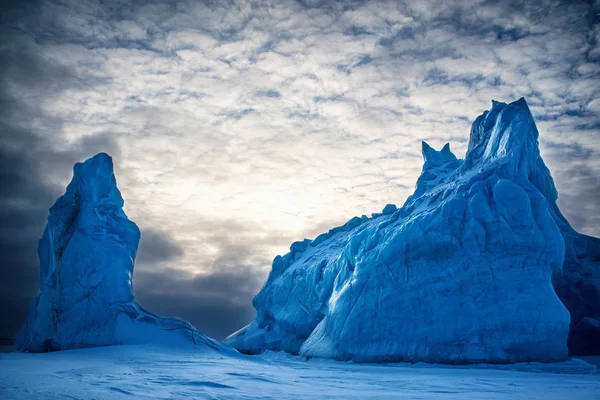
{"x": 87, "y": 254}
{"x": 468, "y": 270}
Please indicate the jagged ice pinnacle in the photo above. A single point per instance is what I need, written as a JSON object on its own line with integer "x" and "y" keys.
{"x": 87, "y": 253}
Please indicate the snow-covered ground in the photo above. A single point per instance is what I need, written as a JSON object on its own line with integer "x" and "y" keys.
{"x": 154, "y": 372}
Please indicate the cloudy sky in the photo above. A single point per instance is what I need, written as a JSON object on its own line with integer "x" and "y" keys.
{"x": 238, "y": 127}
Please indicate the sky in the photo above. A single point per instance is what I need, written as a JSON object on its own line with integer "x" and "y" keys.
{"x": 239, "y": 127}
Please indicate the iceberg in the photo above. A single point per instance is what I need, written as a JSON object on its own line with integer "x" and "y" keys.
{"x": 479, "y": 265}
{"x": 87, "y": 254}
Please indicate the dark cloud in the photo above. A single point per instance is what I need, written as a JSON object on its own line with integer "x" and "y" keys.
{"x": 157, "y": 247}
{"x": 579, "y": 197}
{"x": 25, "y": 195}
{"x": 577, "y": 182}
{"x": 33, "y": 172}
{"x": 217, "y": 303}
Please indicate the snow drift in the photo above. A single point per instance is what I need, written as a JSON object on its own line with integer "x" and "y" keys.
{"x": 468, "y": 270}
{"x": 87, "y": 253}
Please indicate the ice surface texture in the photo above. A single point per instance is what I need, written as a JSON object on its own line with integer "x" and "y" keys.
{"x": 150, "y": 372}
{"x": 86, "y": 256}
{"x": 464, "y": 272}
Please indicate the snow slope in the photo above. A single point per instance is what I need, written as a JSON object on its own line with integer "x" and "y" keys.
{"x": 155, "y": 372}
{"x": 464, "y": 272}
{"x": 87, "y": 253}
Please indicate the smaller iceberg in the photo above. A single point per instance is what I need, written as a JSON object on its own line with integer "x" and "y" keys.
{"x": 87, "y": 253}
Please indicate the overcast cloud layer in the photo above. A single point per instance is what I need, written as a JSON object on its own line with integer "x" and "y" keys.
{"x": 238, "y": 127}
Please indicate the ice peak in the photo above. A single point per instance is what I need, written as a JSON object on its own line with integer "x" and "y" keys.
{"x": 94, "y": 181}
{"x": 91, "y": 196}
{"x": 101, "y": 163}
{"x": 436, "y": 158}
{"x": 504, "y": 130}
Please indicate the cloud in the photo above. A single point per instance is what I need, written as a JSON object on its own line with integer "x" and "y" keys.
{"x": 238, "y": 128}
{"x": 580, "y": 200}
{"x": 577, "y": 177}
{"x": 30, "y": 168}
{"x": 218, "y": 298}
{"x": 217, "y": 302}
{"x": 157, "y": 247}
{"x": 34, "y": 170}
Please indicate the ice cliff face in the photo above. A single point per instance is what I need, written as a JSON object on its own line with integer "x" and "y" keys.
{"x": 86, "y": 257}
{"x": 464, "y": 272}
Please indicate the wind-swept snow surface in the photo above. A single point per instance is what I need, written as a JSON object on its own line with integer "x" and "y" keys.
{"x": 464, "y": 272}
{"x": 152, "y": 372}
{"x": 86, "y": 256}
